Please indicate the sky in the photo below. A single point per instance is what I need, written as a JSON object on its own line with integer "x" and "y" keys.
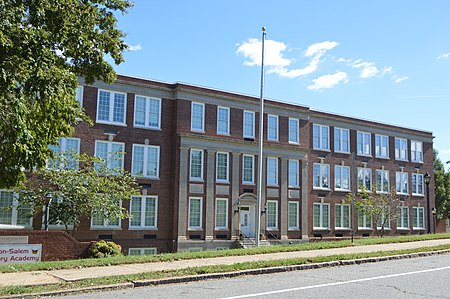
{"x": 387, "y": 61}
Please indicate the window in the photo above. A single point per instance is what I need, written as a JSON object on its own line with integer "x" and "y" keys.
{"x": 247, "y": 169}
{"x": 321, "y": 137}
{"x": 321, "y": 176}
{"x": 67, "y": 148}
{"x": 249, "y": 124}
{"x": 400, "y": 149}
{"x": 293, "y": 131}
{"x": 294, "y": 173}
{"x": 111, "y": 107}
{"x": 402, "y": 218}
{"x": 401, "y": 182}
{"x": 272, "y": 171}
{"x": 198, "y": 117}
{"x": 342, "y": 216}
{"x": 196, "y": 164}
{"x": 417, "y": 184}
{"x": 364, "y": 147}
{"x": 293, "y": 212}
{"x": 142, "y": 251}
{"x": 321, "y": 216}
{"x": 364, "y": 179}
{"x": 416, "y": 151}
{"x": 222, "y": 167}
{"x": 364, "y": 220}
{"x": 221, "y": 213}
{"x": 195, "y": 213}
{"x": 12, "y": 216}
{"x": 223, "y": 120}
{"x": 381, "y": 146}
{"x": 384, "y": 220}
{"x": 145, "y": 161}
{"x": 272, "y": 127}
{"x": 341, "y": 140}
{"x": 418, "y": 219}
{"x": 382, "y": 180}
{"x": 272, "y": 214}
{"x": 144, "y": 212}
{"x": 100, "y": 220}
{"x": 110, "y": 152}
{"x": 342, "y": 178}
{"x": 79, "y": 95}
{"x": 147, "y": 112}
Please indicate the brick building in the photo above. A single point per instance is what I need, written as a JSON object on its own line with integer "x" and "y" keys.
{"x": 195, "y": 153}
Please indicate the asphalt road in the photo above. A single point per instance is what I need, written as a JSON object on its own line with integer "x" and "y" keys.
{"x": 427, "y": 277}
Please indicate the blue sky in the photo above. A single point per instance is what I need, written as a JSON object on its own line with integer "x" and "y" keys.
{"x": 381, "y": 60}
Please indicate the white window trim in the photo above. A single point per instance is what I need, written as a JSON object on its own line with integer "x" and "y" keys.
{"x": 277, "y": 127}
{"x": 143, "y": 210}
{"x": 415, "y": 160}
{"x": 143, "y": 249}
{"x": 227, "y": 180}
{"x": 79, "y": 97}
{"x": 388, "y": 182}
{"x": 401, "y": 181}
{"x": 243, "y": 124}
{"x": 363, "y": 144}
{"x": 63, "y": 148}
{"x": 399, "y": 152}
{"x": 201, "y": 168}
{"x": 200, "y": 227}
{"x": 407, "y": 213}
{"x": 147, "y": 111}
{"x": 146, "y": 147}
{"x": 417, "y": 217}
{"x": 276, "y": 171}
{"x": 320, "y": 148}
{"x": 228, "y": 121}
{"x": 14, "y": 214}
{"x": 111, "y": 109}
{"x": 321, "y": 227}
{"x": 341, "y": 171}
{"x": 417, "y": 185}
{"x": 297, "y": 220}
{"x": 226, "y": 215}
{"x": 364, "y": 215}
{"x": 109, "y": 151}
{"x": 202, "y": 130}
{"x": 371, "y": 178}
{"x": 340, "y": 226}
{"x": 296, "y": 120}
{"x": 387, "y": 149}
{"x": 321, "y": 176}
{"x": 106, "y": 225}
{"x": 388, "y": 223}
{"x": 276, "y": 215}
{"x": 253, "y": 170}
{"x": 341, "y": 140}
{"x": 297, "y": 169}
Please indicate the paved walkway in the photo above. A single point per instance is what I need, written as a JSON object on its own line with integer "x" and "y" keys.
{"x": 56, "y": 276}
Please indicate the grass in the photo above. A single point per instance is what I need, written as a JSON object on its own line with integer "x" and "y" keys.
{"x": 5, "y": 291}
{"x": 81, "y": 263}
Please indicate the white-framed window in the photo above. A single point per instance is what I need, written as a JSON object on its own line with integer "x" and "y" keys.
{"x": 272, "y": 171}
{"x": 196, "y": 165}
{"x": 402, "y": 217}
{"x": 416, "y": 151}
{"x": 321, "y": 176}
{"x": 401, "y": 152}
{"x": 99, "y": 220}
{"x": 417, "y": 184}
{"x": 67, "y": 148}
{"x": 197, "y": 117}
{"x": 364, "y": 144}
{"x": 11, "y": 216}
{"x": 293, "y": 215}
{"x": 111, "y": 107}
{"x": 364, "y": 179}
{"x": 272, "y": 214}
{"x": 110, "y": 152}
{"x": 401, "y": 182}
{"x": 418, "y": 218}
{"x": 294, "y": 173}
{"x": 54, "y": 216}
{"x": 79, "y": 95}
{"x": 248, "y": 169}
{"x": 342, "y": 216}
{"x": 222, "y": 167}
{"x": 142, "y": 251}
{"x": 294, "y": 136}
{"x": 272, "y": 127}
{"x": 341, "y": 178}
{"x": 144, "y": 212}
{"x": 195, "y": 212}
{"x": 384, "y": 219}
{"x": 321, "y": 137}
{"x": 364, "y": 220}
{"x": 145, "y": 161}
{"x": 249, "y": 124}
{"x": 321, "y": 216}
{"x": 147, "y": 112}
{"x": 223, "y": 120}
{"x": 341, "y": 140}
{"x": 221, "y": 213}
{"x": 382, "y": 146}
{"x": 382, "y": 180}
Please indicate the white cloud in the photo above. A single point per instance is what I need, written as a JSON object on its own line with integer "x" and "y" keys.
{"x": 320, "y": 48}
{"x": 369, "y": 69}
{"x": 134, "y": 48}
{"x": 444, "y": 56}
{"x": 397, "y": 79}
{"x": 328, "y": 81}
{"x": 387, "y": 70}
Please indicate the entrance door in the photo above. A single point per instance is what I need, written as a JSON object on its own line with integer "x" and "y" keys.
{"x": 247, "y": 221}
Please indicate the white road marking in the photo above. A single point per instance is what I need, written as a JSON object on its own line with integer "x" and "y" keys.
{"x": 336, "y": 283}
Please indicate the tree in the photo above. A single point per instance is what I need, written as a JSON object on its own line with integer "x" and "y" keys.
{"x": 45, "y": 46}
{"x": 91, "y": 190}
{"x": 441, "y": 188}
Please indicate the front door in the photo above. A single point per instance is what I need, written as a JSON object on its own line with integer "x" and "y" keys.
{"x": 247, "y": 221}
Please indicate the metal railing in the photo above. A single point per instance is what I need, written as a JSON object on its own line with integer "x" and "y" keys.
{"x": 245, "y": 240}
{"x": 272, "y": 238}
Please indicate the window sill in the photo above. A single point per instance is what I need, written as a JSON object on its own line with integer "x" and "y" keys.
{"x": 110, "y": 123}
{"x": 381, "y": 157}
{"x": 418, "y": 162}
{"x": 273, "y": 228}
{"x": 294, "y": 187}
{"x": 340, "y": 152}
{"x": 8, "y": 226}
{"x": 222, "y": 182}
{"x": 402, "y": 160}
{"x": 273, "y": 140}
{"x": 248, "y": 183}
{"x": 195, "y": 229}
{"x": 418, "y": 228}
{"x": 343, "y": 228}
{"x": 418, "y": 195}
{"x": 294, "y": 142}
{"x": 322, "y": 150}
{"x": 399, "y": 193}
{"x": 194, "y": 180}
{"x": 342, "y": 190}
{"x": 386, "y": 228}
{"x": 273, "y": 185}
{"x": 402, "y": 228}
{"x": 321, "y": 228}
{"x": 105, "y": 228}
{"x": 365, "y": 228}
{"x": 197, "y": 131}
{"x": 147, "y": 128}
{"x": 221, "y": 229}
{"x": 145, "y": 177}
{"x": 294, "y": 229}
{"x": 223, "y": 134}
{"x": 143, "y": 228}
{"x": 364, "y": 155}
{"x": 249, "y": 137}
{"x": 321, "y": 189}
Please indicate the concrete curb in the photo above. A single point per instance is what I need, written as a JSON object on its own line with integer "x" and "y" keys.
{"x": 200, "y": 277}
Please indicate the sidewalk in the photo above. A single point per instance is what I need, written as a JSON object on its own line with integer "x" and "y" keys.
{"x": 69, "y": 275}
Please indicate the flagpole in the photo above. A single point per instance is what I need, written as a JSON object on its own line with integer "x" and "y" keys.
{"x": 259, "y": 199}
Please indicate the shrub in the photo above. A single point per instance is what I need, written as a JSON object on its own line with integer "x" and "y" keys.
{"x": 105, "y": 249}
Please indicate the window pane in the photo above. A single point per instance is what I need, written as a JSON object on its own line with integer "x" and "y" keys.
{"x": 136, "y": 203}
{"x": 139, "y": 111}
{"x": 150, "y": 211}
{"x": 197, "y": 116}
{"x": 152, "y": 161}
{"x": 248, "y": 169}
{"x": 119, "y": 108}
{"x": 6, "y": 203}
{"x": 103, "y": 106}
{"x": 196, "y": 164}
{"x": 154, "y": 110}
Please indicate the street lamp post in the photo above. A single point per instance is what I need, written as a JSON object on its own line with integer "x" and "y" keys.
{"x": 48, "y": 200}
{"x": 427, "y": 178}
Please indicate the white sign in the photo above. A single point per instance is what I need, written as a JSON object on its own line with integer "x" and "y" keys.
{"x": 20, "y": 253}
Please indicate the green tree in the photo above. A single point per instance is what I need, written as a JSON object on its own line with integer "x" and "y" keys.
{"x": 45, "y": 45}
{"x": 441, "y": 188}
